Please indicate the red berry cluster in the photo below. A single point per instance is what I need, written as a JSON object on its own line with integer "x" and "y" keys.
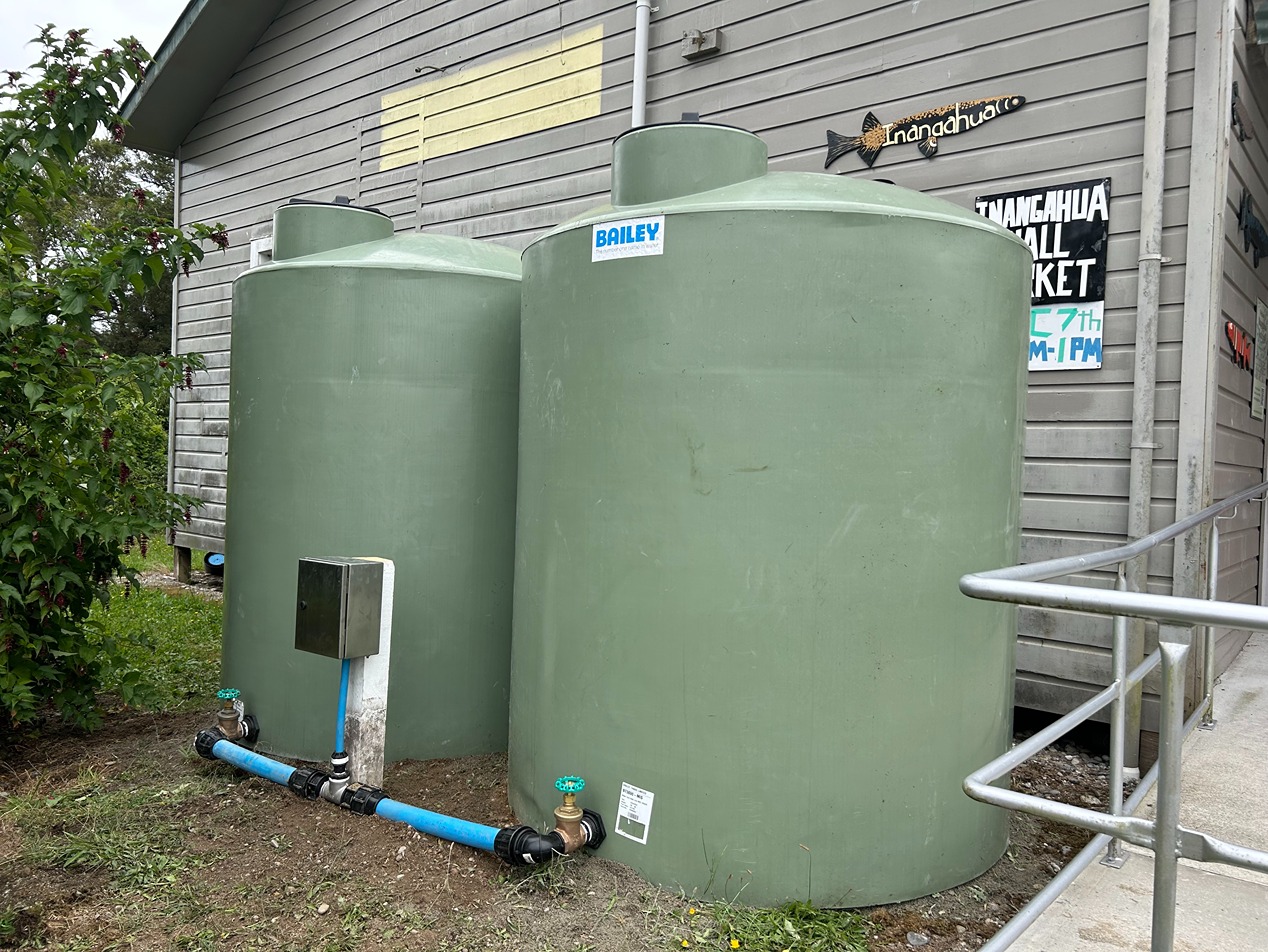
{"x": 106, "y": 436}
{"x": 139, "y": 194}
{"x": 124, "y": 473}
{"x": 144, "y": 542}
{"x": 155, "y": 239}
{"x": 220, "y": 239}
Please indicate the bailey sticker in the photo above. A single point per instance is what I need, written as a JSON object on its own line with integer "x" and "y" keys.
{"x": 923, "y": 129}
{"x": 632, "y": 238}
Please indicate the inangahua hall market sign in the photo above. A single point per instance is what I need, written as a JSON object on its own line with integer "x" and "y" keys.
{"x": 1066, "y": 228}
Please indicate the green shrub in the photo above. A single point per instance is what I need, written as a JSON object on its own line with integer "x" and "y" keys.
{"x": 78, "y": 468}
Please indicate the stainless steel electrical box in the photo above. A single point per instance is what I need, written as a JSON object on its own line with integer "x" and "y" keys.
{"x": 338, "y": 607}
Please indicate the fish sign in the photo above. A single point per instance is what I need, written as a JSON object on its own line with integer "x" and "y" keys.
{"x": 924, "y": 128}
{"x": 1243, "y": 347}
{"x": 1253, "y": 234}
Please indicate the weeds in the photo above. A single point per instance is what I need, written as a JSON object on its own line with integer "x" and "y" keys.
{"x": 553, "y": 879}
{"x": 94, "y": 824}
{"x": 170, "y": 647}
{"x": 796, "y": 925}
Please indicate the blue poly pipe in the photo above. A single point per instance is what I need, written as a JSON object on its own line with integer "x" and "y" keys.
{"x": 252, "y": 762}
{"x": 343, "y": 703}
{"x": 465, "y": 832}
{"x": 477, "y": 835}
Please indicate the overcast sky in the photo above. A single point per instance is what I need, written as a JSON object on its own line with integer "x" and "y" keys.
{"x": 105, "y": 20}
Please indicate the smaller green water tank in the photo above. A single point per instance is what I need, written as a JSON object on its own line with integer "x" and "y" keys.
{"x": 766, "y": 423}
{"x": 373, "y": 412}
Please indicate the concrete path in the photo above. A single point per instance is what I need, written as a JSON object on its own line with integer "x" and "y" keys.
{"x": 1218, "y": 908}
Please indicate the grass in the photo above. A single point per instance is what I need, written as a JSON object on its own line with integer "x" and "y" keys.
{"x": 795, "y": 926}
{"x": 122, "y": 826}
{"x": 113, "y": 824}
{"x": 170, "y": 640}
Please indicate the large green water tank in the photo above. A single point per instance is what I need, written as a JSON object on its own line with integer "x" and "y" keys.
{"x": 766, "y": 422}
{"x": 373, "y": 412}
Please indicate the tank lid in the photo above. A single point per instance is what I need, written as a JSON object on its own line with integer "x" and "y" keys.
{"x": 342, "y": 201}
{"x": 305, "y": 227}
{"x": 661, "y": 162}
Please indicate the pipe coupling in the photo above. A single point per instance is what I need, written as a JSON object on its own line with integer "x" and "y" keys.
{"x": 206, "y": 740}
{"x": 362, "y": 800}
{"x": 307, "y": 782}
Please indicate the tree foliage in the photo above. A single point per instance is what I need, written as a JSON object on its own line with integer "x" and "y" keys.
{"x": 69, "y": 437}
{"x": 119, "y": 185}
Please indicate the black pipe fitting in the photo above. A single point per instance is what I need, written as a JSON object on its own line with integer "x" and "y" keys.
{"x": 594, "y": 829}
{"x": 306, "y": 782}
{"x": 250, "y": 730}
{"x": 206, "y": 740}
{"x": 524, "y": 846}
{"x": 339, "y": 765}
{"x": 363, "y": 801}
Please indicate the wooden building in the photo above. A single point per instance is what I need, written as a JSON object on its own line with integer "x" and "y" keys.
{"x": 494, "y": 119}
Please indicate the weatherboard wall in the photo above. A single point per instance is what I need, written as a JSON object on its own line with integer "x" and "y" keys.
{"x": 339, "y": 95}
{"x": 1239, "y": 437}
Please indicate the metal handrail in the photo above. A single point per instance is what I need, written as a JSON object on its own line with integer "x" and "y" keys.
{"x": 1032, "y": 585}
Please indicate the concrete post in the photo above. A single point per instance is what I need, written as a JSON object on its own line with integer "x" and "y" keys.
{"x": 366, "y": 727}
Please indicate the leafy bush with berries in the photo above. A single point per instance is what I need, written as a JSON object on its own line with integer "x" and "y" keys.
{"x": 73, "y": 485}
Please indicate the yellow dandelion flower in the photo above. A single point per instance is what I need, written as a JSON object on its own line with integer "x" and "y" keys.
{"x": 686, "y": 944}
{"x": 691, "y": 911}
{"x": 735, "y": 943}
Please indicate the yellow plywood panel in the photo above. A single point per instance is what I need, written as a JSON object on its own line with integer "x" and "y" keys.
{"x": 526, "y": 92}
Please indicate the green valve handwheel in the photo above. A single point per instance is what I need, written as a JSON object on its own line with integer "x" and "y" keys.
{"x": 228, "y": 694}
{"x": 570, "y": 784}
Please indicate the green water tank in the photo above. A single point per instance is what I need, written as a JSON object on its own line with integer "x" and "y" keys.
{"x": 373, "y": 412}
{"x": 766, "y": 423}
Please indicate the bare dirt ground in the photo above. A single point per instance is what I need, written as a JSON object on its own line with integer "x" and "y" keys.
{"x": 126, "y": 839}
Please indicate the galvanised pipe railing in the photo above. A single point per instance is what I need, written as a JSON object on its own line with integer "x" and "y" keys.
{"x": 1033, "y": 585}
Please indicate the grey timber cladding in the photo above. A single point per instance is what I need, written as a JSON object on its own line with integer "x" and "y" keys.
{"x": 1239, "y": 438}
{"x": 305, "y": 115}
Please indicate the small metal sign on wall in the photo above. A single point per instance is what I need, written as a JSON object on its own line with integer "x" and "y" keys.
{"x": 1067, "y": 230}
{"x": 1254, "y": 237}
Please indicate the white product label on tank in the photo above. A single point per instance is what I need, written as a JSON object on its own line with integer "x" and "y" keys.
{"x": 632, "y": 238}
{"x": 634, "y": 812}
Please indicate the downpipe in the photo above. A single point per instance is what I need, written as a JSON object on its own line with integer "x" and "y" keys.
{"x": 517, "y": 845}
{"x": 1144, "y": 384}
{"x": 642, "y": 33}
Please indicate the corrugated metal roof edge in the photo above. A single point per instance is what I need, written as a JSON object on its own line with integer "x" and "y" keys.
{"x": 208, "y": 43}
